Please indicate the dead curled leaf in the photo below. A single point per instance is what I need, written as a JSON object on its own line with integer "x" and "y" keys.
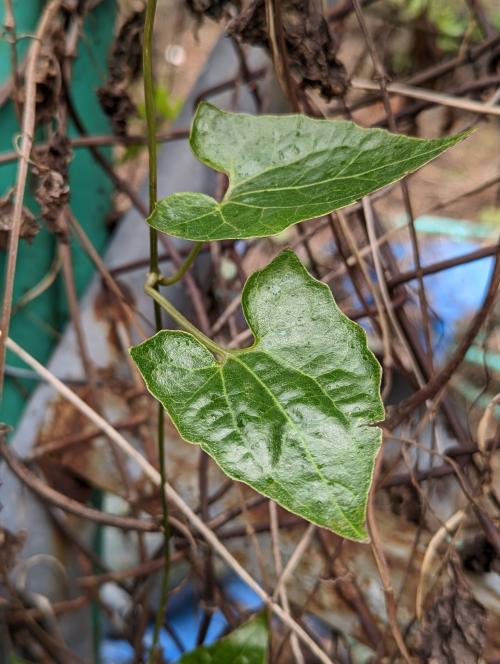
{"x": 118, "y": 106}
{"x": 125, "y": 65}
{"x": 51, "y": 166}
{"x": 48, "y": 77}
{"x": 212, "y": 8}
{"x": 310, "y": 44}
{"x": 29, "y": 227}
{"x": 453, "y": 630}
{"x": 126, "y": 56}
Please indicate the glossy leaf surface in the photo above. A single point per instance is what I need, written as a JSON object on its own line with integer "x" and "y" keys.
{"x": 285, "y": 169}
{"x": 288, "y": 415}
{"x": 246, "y": 645}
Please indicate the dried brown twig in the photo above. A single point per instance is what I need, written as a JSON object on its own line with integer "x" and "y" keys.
{"x": 28, "y": 127}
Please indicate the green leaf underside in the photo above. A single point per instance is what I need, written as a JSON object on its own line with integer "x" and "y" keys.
{"x": 285, "y": 169}
{"x": 246, "y": 645}
{"x": 289, "y": 415}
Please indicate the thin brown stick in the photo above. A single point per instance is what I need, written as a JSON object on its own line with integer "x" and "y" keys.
{"x": 17, "y": 615}
{"x": 129, "y": 311}
{"x": 278, "y": 566}
{"x": 370, "y": 227}
{"x": 208, "y": 580}
{"x": 142, "y": 569}
{"x": 382, "y": 76}
{"x": 78, "y": 438}
{"x": 28, "y": 128}
{"x": 440, "y": 380}
{"x": 347, "y": 589}
{"x": 375, "y": 290}
{"x": 104, "y": 140}
{"x": 295, "y": 558}
{"x": 429, "y": 95}
{"x": 67, "y": 504}
{"x": 385, "y": 577}
{"x": 440, "y": 266}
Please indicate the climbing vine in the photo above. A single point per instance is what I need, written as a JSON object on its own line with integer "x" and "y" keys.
{"x": 292, "y": 415}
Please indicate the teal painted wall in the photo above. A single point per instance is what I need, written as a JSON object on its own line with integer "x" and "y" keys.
{"x": 38, "y": 326}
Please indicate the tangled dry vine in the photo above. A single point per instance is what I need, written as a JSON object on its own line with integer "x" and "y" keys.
{"x": 435, "y": 483}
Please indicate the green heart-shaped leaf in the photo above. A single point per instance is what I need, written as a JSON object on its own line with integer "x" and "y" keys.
{"x": 288, "y": 415}
{"x": 246, "y": 645}
{"x": 285, "y": 169}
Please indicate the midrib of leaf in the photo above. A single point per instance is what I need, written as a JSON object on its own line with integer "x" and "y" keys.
{"x": 230, "y": 196}
{"x": 235, "y": 424}
{"x": 305, "y": 446}
{"x": 279, "y": 207}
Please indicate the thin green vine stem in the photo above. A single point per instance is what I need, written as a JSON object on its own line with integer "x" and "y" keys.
{"x": 184, "y": 322}
{"x": 149, "y": 98}
{"x": 177, "y": 276}
{"x": 150, "y": 106}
